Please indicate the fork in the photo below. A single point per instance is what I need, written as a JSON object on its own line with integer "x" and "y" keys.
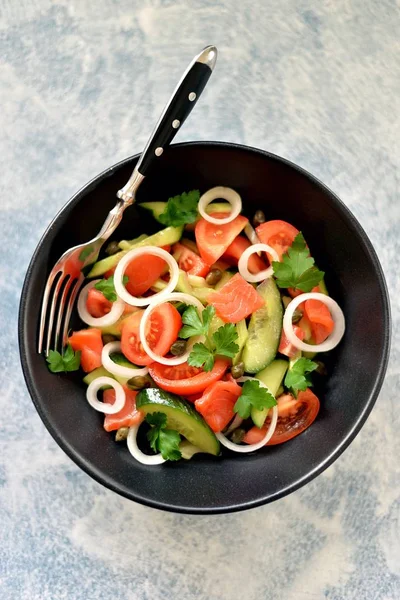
{"x": 66, "y": 277}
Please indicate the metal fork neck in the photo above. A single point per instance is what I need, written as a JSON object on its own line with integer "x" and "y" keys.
{"x": 128, "y": 192}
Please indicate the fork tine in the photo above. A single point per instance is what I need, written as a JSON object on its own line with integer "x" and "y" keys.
{"x": 70, "y": 306}
{"x": 61, "y": 312}
{"x": 45, "y": 301}
{"x": 53, "y": 305}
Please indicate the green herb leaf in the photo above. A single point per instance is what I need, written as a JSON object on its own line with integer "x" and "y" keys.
{"x": 253, "y": 395}
{"x": 194, "y": 324}
{"x": 297, "y": 268}
{"x": 63, "y": 363}
{"x": 297, "y": 378}
{"x": 201, "y": 356}
{"x": 162, "y": 439}
{"x": 224, "y": 339}
{"x": 181, "y": 210}
{"x": 107, "y": 288}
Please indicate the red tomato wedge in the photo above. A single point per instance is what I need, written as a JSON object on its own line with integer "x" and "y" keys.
{"x": 189, "y": 261}
{"x": 212, "y": 240}
{"x": 184, "y": 379}
{"x": 97, "y": 304}
{"x": 235, "y": 251}
{"x": 277, "y": 234}
{"x": 89, "y": 342}
{"x": 143, "y": 271}
{"x": 163, "y": 327}
{"x": 320, "y": 320}
{"x": 236, "y": 300}
{"x": 294, "y": 416}
{"x": 217, "y": 402}
{"x": 126, "y": 417}
{"x": 286, "y": 347}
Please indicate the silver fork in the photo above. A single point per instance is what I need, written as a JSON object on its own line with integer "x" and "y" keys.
{"x": 66, "y": 277}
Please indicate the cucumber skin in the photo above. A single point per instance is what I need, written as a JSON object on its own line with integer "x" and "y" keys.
{"x": 272, "y": 376}
{"x": 263, "y": 338}
{"x": 151, "y": 400}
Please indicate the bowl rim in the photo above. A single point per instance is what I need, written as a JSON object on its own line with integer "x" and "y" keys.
{"x": 102, "y": 478}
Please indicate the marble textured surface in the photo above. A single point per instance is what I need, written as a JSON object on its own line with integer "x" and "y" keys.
{"x": 82, "y": 84}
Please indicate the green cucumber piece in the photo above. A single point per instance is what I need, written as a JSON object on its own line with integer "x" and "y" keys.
{"x": 95, "y": 374}
{"x": 119, "y": 359}
{"x": 124, "y": 245}
{"x": 215, "y": 324}
{"x": 115, "y": 328}
{"x": 242, "y": 332}
{"x": 264, "y": 329}
{"x": 188, "y": 450}
{"x": 322, "y": 287}
{"x": 272, "y": 376}
{"x": 181, "y": 416}
{"x": 165, "y": 237}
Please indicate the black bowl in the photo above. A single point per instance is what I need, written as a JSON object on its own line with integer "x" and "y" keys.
{"x": 356, "y": 367}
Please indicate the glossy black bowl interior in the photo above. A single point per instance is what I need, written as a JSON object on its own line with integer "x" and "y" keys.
{"x": 356, "y": 368}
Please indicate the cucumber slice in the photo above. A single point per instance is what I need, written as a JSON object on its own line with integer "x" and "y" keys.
{"x": 115, "y": 328}
{"x": 215, "y": 324}
{"x": 272, "y": 376}
{"x": 242, "y": 332}
{"x": 181, "y": 417}
{"x": 124, "y": 245}
{"x": 99, "y": 372}
{"x": 322, "y": 287}
{"x": 119, "y": 359}
{"x": 157, "y": 208}
{"x": 264, "y": 329}
{"x": 165, "y": 237}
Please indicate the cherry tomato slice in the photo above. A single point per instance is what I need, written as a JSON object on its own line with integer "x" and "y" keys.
{"x": 90, "y": 344}
{"x": 143, "y": 271}
{"x": 189, "y": 261}
{"x": 212, "y": 240}
{"x": 277, "y": 234}
{"x": 184, "y": 379}
{"x": 235, "y": 251}
{"x": 97, "y": 304}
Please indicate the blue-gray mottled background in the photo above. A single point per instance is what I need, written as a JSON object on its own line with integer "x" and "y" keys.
{"x": 82, "y": 84}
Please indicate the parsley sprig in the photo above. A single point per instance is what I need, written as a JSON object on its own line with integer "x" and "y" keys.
{"x": 162, "y": 439}
{"x": 194, "y": 324}
{"x": 63, "y": 363}
{"x": 253, "y": 395}
{"x": 107, "y": 288}
{"x": 181, "y": 210}
{"x": 298, "y": 376}
{"x": 297, "y": 269}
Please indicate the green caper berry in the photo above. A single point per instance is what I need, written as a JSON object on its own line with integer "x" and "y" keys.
{"x": 321, "y": 368}
{"x": 237, "y": 370}
{"x": 121, "y": 434}
{"x": 138, "y": 383}
{"x": 112, "y": 248}
{"x": 297, "y": 315}
{"x": 258, "y": 218}
{"x": 107, "y": 338}
{"x": 178, "y": 348}
{"x": 238, "y": 435}
{"x": 214, "y": 276}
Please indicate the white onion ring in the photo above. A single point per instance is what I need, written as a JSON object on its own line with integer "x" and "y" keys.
{"x": 225, "y": 193}
{"x": 270, "y": 432}
{"x": 174, "y": 297}
{"x": 109, "y": 319}
{"x": 109, "y": 409}
{"x": 123, "y": 263}
{"x": 251, "y": 234}
{"x": 244, "y": 259}
{"x": 119, "y": 370}
{"x": 145, "y": 459}
{"x": 337, "y": 316}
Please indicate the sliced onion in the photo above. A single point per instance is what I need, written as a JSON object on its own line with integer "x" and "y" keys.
{"x": 145, "y": 459}
{"x": 251, "y": 234}
{"x": 174, "y": 297}
{"x": 244, "y": 259}
{"x": 123, "y": 263}
{"x": 109, "y": 409}
{"x": 109, "y": 319}
{"x": 337, "y": 316}
{"x": 119, "y": 370}
{"x": 270, "y": 431}
{"x": 237, "y": 421}
{"x": 225, "y": 193}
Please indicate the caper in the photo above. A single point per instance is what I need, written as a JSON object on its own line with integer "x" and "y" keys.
{"x": 112, "y": 248}
{"x": 258, "y": 218}
{"x": 238, "y": 435}
{"x": 121, "y": 434}
{"x": 178, "y": 348}
{"x": 214, "y": 276}
{"x": 237, "y": 370}
{"x": 297, "y": 315}
{"x": 107, "y": 338}
{"x": 321, "y": 368}
{"x": 138, "y": 383}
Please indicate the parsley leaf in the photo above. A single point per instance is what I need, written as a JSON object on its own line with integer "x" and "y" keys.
{"x": 297, "y": 378}
{"x": 201, "y": 356}
{"x": 106, "y": 287}
{"x": 181, "y": 210}
{"x": 162, "y": 439}
{"x": 194, "y": 324}
{"x": 297, "y": 268}
{"x": 224, "y": 339}
{"x": 62, "y": 363}
{"x": 253, "y": 395}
